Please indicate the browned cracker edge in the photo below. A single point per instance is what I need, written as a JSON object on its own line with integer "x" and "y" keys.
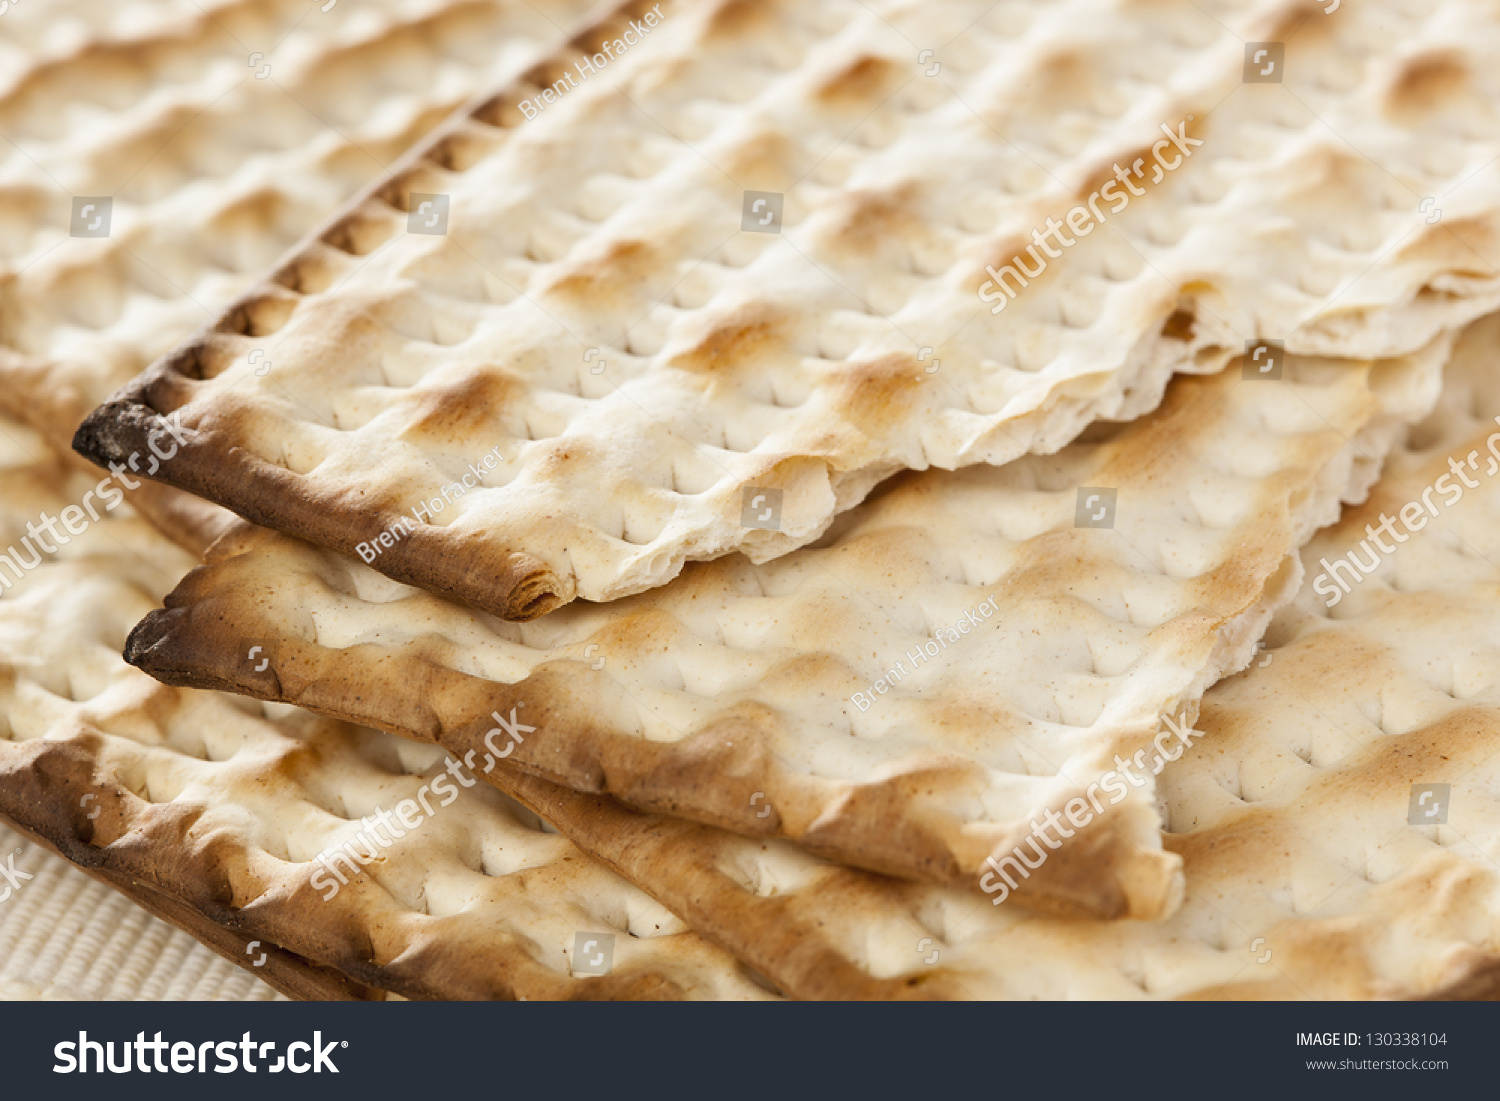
{"x": 196, "y": 883}
{"x": 188, "y": 645}
{"x": 283, "y": 971}
{"x": 517, "y": 588}
{"x": 780, "y": 937}
{"x": 194, "y": 642}
{"x": 669, "y": 858}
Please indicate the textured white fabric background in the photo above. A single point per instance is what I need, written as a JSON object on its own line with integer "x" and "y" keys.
{"x": 65, "y": 936}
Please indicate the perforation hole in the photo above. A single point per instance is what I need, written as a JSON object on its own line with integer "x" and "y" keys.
{"x": 359, "y": 234}
{"x": 460, "y": 151}
{"x": 260, "y": 316}
{"x": 642, "y": 530}
{"x": 188, "y": 363}
{"x": 396, "y": 194}
{"x": 313, "y": 272}
{"x": 502, "y": 112}
{"x": 213, "y": 358}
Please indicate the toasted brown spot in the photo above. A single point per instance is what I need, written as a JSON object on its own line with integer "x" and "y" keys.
{"x": 1189, "y": 401}
{"x": 1179, "y": 326}
{"x": 1300, "y": 19}
{"x": 733, "y": 19}
{"x": 565, "y": 459}
{"x": 1005, "y": 250}
{"x": 611, "y": 277}
{"x": 1251, "y": 839}
{"x": 860, "y": 82}
{"x": 1062, "y": 81}
{"x": 748, "y": 334}
{"x": 764, "y": 162}
{"x": 1004, "y": 253}
{"x": 1425, "y": 82}
{"x": 1104, "y": 173}
{"x": 875, "y": 394}
{"x": 867, "y": 219}
{"x": 463, "y": 409}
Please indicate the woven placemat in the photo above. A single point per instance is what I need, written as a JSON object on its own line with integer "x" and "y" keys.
{"x": 64, "y": 935}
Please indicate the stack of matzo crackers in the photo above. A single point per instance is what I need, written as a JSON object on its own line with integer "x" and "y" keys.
{"x": 752, "y": 498}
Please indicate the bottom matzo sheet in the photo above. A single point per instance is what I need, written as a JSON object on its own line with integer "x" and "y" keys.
{"x": 246, "y": 822}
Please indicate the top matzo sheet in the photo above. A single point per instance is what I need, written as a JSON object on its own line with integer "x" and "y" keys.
{"x": 699, "y": 281}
